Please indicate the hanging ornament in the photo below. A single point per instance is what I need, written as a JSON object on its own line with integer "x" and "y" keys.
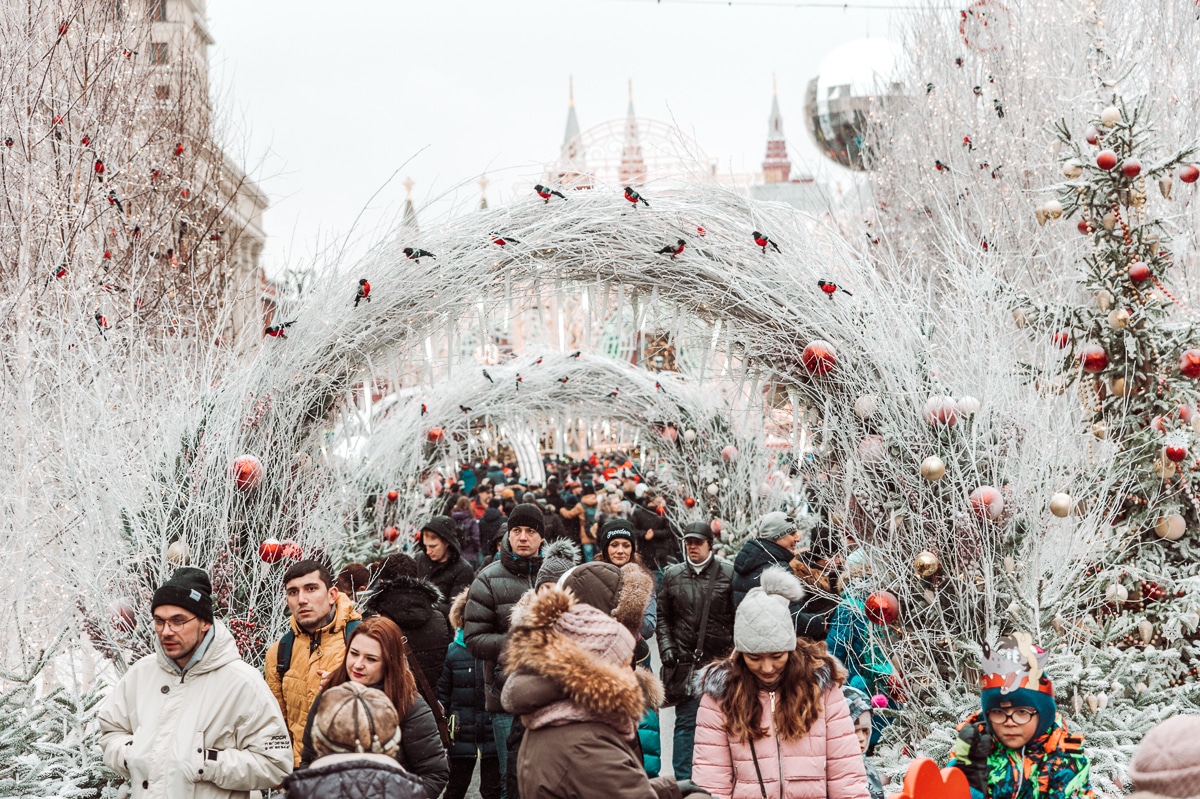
{"x": 1138, "y": 272}
{"x": 689, "y": 436}
{"x": 390, "y": 534}
{"x": 271, "y": 550}
{"x": 670, "y": 433}
{"x": 716, "y": 525}
{"x": 987, "y": 503}
{"x": 1052, "y": 209}
{"x": 1116, "y": 593}
{"x": 933, "y": 468}
{"x": 1061, "y": 339}
{"x": 882, "y": 608}
{"x": 1110, "y": 116}
{"x": 1120, "y": 387}
{"x": 926, "y": 564}
{"x": 865, "y": 406}
{"x": 121, "y": 615}
{"x": 1164, "y": 468}
{"x": 1060, "y": 505}
{"x": 1189, "y": 173}
{"x": 1170, "y": 527}
{"x": 1175, "y": 452}
{"x": 435, "y": 435}
{"x": 1131, "y": 167}
{"x": 1106, "y": 160}
{"x": 1083, "y": 226}
{"x": 879, "y": 701}
{"x": 1118, "y": 318}
{"x": 247, "y": 472}
{"x": 940, "y": 411}
{"x": 1104, "y": 299}
{"x": 1094, "y": 359}
{"x": 1145, "y": 631}
{"x": 393, "y": 495}
{"x": 1189, "y": 363}
{"x": 291, "y": 550}
{"x": 713, "y": 489}
{"x": 1165, "y": 185}
{"x": 1072, "y": 169}
{"x": 871, "y": 451}
{"x": 1109, "y": 221}
{"x": 968, "y": 406}
{"x": 1100, "y": 430}
{"x": 819, "y": 357}
{"x": 1091, "y": 135}
{"x": 689, "y": 502}
{"x": 729, "y": 453}
{"x": 177, "y": 553}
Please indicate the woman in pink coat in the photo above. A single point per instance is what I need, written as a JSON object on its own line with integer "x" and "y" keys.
{"x": 773, "y": 723}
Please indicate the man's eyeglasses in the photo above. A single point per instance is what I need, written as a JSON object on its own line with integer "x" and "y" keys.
{"x": 174, "y": 625}
{"x": 1017, "y": 715}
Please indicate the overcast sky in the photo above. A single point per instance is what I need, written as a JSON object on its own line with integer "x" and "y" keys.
{"x": 325, "y": 101}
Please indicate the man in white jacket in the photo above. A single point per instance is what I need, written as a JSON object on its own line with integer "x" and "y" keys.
{"x": 192, "y": 719}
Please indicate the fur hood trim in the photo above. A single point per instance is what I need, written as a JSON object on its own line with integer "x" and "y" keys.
{"x": 597, "y": 686}
{"x": 713, "y": 679}
{"x": 458, "y": 608}
{"x": 417, "y": 585}
{"x": 652, "y": 688}
{"x": 637, "y": 586}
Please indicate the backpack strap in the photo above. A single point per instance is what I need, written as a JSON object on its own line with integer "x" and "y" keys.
{"x": 283, "y": 660}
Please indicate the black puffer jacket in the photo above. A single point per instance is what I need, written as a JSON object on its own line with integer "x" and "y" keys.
{"x": 680, "y": 605}
{"x": 489, "y": 528}
{"x": 353, "y": 777}
{"x": 421, "y": 752}
{"x": 756, "y": 556}
{"x": 661, "y": 550}
{"x": 495, "y": 591}
{"x": 462, "y": 692}
{"x": 412, "y": 604}
{"x": 450, "y": 577}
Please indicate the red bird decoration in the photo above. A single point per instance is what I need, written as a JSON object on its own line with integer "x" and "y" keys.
{"x": 762, "y": 241}
{"x": 634, "y": 197}
{"x": 545, "y": 192}
{"x": 673, "y": 250}
{"x": 832, "y": 288}
{"x": 363, "y": 293}
{"x": 279, "y": 331}
{"x": 178, "y": 150}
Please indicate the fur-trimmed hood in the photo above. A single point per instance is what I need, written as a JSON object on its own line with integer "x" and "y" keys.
{"x": 408, "y": 601}
{"x": 713, "y": 679}
{"x": 593, "y": 688}
{"x": 458, "y": 608}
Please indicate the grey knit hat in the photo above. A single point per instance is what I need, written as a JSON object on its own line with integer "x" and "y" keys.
{"x": 775, "y": 525}
{"x": 1167, "y": 761}
{"x": 857, "y": 701}
{"x": 763, "y": 623}
{"x": 557, "y": 559}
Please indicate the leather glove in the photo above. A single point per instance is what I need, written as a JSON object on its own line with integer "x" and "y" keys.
{"x": 689, "y": 788}
{"x": 971, "y": 751}
{"x": 669, "y": 661}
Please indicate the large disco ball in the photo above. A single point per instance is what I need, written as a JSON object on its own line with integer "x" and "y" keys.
{"x": 852, "y": 80}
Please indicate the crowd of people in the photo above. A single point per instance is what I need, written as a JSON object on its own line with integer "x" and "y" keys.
{"x": 517, "y": 643}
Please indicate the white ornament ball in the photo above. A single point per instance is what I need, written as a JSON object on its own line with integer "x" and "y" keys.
{"x": 1072, "y": 169}
{"x": 968, "y": 406}
{"x": 1110, "y": 116}
{"x": 178, "y": 554}
{"x": 1053, "y": 209}
{"x": 871, "y": 451}
{"x": 1118, "y": 318}
{"x": 1060, "y": 505}
{"x": 1116, "y": 593}
{"x": 940, "y": 410}
{"x": 933, "y": 468}
{"x": 1171, "y": 527}
{"x": 713, "y": 489}
{"x": 689, "y": 436}
{"x": 866, "y": 406}
{"x": 729, "y": 453}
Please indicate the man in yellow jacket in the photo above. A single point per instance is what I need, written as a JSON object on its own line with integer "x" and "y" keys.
{"x": 192, "y": 719}
{"x": 320, "y": 623}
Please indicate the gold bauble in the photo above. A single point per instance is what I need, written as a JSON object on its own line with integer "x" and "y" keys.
{"x": 1072, "y": 169}
{"x": 1164, "y": 185}
{"x": 1110, "y": 116}
{"x": 178, "y": 553}
{"x": 1105, "y": 300}
{"x": 1119, "y": 387}
{"x": 1109, "y": 221}
{"x": 1100, "y": 430}
{"x": 1118, "y": 318}
{"x": 933, "y": 468}
{"x": 1060, "y": 504}
{"x": 1164, "y": 468}
{"x": 1171, "y": 527}
{"x": 926, "y": 564}
{"x": 1019, "y": 317}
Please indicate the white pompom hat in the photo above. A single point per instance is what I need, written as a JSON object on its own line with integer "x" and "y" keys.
{"x": 763, "y": 622}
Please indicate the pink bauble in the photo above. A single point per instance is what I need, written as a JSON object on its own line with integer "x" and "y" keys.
{"x": 871, "y": 451}
{"x": 879, "y": 701}
{"x": 819, "y": 357}
{"x": 716, "y": 526}
{"x": 291, "y": 550}
{"x": 121, "y": 615}
{"x": 247, "y": 472}
{"x": 941, "y": 411}
{"x": 729, "y": 453}
{"x": 987, "y": 503}
{"x": 670, "y": 433}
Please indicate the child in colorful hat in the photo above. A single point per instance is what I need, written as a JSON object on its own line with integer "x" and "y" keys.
{"x": 1019, "y": 747}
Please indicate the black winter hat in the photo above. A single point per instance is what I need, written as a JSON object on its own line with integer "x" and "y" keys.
{"x": 188, "y": 588}
{"x": 527, "y": 515}
{"x": 444, "y": 528}
{"x": 698, "y": 530}
{"x": 614, "y": 529}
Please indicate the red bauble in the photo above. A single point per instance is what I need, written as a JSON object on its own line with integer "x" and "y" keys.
{"x": 1061, "y": 339}
{"x": 291, "y": 550}
{"x": 940, "y": 411}
{"x": 670, "y": 433}
{"x": 393, "y": 496}
{"x": 122, "y": 616}
{"x": 247, "y": 472}
{"x": 716, "y": 526}
{"x": 1189, "y": 173}
{"x": 271, "y": 550}
{"x": 435, "y": 435}
{"x": 689, "y": 502}
{"x": 1185, "y": 414}
{"x": 729, "y": 453}
{"x": 1082, "y": 226}
{"x": 1138, "y": 272}
{"x": 871, "y": 451}
{"x": 1106, "y": 159}
{"x": 1159, "y": 424}
{"x": 1189, "y": 363}
{"x": 882, "y": 608}
{"x": 1091, "y": 135}
{"x": 1131, "y": 167}
{"x": 987, "y": 503}
{"x": 1094, "y": 358}
{"x": 1175, "y": 452}
{"x": 819, "y": 357}
{"x": 390, "y": 534}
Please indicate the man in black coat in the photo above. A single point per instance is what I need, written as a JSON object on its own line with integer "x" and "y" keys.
{"x": 440, "y": 560}
{"x": 656, "y": 540}
{"x": 686, "y": 587}
{"x": 775, "y": 546}
{"x": 490, "y": 602}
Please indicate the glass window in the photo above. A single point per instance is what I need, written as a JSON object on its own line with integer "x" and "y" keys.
{"x": 158, "y": 53}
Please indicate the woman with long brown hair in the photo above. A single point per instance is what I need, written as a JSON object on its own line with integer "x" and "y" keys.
{"x": 375, "y": 658}
{"x": 773, "y": 723}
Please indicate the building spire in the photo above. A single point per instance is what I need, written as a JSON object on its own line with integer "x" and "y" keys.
{"x": 483, "y": 184}
{"x": 776, "y": 167}
{"x": 572, "y": 170}
{"x": 409, "y": 221}
{"x": 633, "y": 164}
